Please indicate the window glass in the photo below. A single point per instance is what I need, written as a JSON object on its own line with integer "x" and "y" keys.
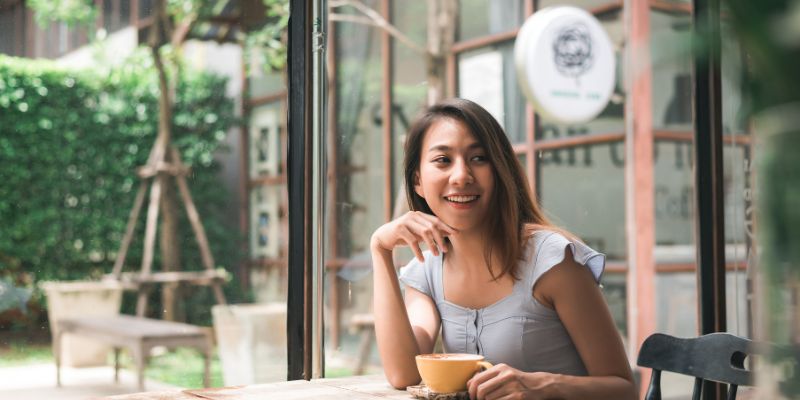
{"x": 488, "y": 77}
{"x": 484, "y": 17}
{"x": 145, "y": 8}
{"x": 738, "y": 179}
{"x": 582, "y": 189}
{"x": 409, "y": 82}
{"x": 355, "y": 192}
{"x": 672, "y": 71}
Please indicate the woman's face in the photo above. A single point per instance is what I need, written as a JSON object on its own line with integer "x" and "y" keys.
{"x": 455, "y": 177}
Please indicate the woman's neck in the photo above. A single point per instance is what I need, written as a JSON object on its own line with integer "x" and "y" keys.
{"x": 467, "y": 250}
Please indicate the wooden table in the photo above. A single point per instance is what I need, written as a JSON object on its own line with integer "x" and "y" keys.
{"x": 138, "y": 335}
{"x": 351, "y": 388}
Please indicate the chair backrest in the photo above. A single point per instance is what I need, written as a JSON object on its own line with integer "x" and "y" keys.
{"x": 715, "y": 357}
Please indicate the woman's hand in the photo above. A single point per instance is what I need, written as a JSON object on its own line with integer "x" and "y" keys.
{"x": 410, "y": 229}
{"x": 504, "y": 382}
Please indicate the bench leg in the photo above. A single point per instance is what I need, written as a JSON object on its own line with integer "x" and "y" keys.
{"x": 140, "y": 359}
{"x": 363, "y": 351}
{"x": 207, "y": 367}
{"x": 116, "y": 364}
{"x": 57, "y": 355}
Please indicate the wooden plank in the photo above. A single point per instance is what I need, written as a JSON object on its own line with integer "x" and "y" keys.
{"x": 196, "y": 277}
{"x": 194, "y": 217}
{"x": 132, "y": 218}
{"x": 150, "y": 228}
{"x": 126, "y": 326}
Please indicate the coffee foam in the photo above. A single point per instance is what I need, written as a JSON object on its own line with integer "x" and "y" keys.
{"x": 450, "y": 356}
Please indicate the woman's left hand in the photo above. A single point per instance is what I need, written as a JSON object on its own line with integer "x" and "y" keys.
{"x": 504, "y": 382}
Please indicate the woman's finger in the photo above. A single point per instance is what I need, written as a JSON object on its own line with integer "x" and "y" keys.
{"x": 413, "y": 242}
{"x": 449, "y": 230}
{"x": 477, "y": 380}
{"x": 425, "y": 231}
{"x": 501, "y": 383}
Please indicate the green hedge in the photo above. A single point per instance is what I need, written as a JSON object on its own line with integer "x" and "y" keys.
{"x": 70, "y": 142}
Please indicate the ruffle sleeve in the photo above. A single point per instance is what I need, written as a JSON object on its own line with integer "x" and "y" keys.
{"x": 418, "y": 275}
{"x": 550, "y": 251}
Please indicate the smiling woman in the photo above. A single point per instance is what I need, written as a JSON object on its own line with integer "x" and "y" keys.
{"x": 497, "y": 278}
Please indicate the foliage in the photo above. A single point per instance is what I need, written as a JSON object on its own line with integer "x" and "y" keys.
{"x": 768, "y": 31}
{"x": 71, "y": 12}
{"x": 70, "y": 142}
{"x": 268, "y": 43}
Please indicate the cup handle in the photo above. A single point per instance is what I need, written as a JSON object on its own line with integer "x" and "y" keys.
{"x": 484, "y": 365}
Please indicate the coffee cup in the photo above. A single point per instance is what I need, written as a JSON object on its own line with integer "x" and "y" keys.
{"x": 449, "y": 372}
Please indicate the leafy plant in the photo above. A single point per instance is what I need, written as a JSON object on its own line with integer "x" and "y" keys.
{"x": 70, "y": 142}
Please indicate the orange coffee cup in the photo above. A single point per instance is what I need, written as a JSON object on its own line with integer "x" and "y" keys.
{"x": 447, "y": 373}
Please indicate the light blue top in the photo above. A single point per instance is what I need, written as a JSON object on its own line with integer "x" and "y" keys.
{"x": 516, "y": 330}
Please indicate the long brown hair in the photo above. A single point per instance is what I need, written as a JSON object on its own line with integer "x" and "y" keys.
{"x": 512, "y": 203}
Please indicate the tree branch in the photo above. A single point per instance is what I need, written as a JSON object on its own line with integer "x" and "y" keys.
{"x": 373, "y": 18}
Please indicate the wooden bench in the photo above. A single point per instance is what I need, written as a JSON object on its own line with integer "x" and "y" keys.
{"x": 138, "y": 335}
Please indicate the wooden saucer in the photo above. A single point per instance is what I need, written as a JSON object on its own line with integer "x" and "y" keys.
{"x": 422, "y": 392}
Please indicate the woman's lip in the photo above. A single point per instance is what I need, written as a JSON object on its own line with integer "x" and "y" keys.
{"x": 465, "y": 205}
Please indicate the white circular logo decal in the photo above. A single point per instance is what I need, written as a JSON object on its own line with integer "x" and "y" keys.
{"x": 565, "y": 64}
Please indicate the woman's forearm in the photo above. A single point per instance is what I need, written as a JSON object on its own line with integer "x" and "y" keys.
{"x": 397, "y": 344}
{"x": 569, "y": 387}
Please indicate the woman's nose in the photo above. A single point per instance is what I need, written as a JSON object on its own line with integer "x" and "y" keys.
{"x": 461, "y": 174}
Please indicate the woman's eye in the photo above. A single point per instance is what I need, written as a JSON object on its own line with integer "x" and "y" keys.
{"x": 479, "y": 158}
{"x": 441, "y": 160}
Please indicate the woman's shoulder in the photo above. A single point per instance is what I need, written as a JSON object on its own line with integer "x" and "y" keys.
{"x": 546, "y": 248}
{"x": 536, "y": 235}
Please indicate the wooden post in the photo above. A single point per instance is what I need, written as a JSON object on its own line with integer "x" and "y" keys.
{"x": 639, "y": 186}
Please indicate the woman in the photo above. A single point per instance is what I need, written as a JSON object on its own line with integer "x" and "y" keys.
{"x": 497, "y": 277}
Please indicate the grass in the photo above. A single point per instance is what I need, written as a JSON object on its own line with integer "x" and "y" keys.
{"x": 18, "y": 352}
{"x": 181, "y": 367}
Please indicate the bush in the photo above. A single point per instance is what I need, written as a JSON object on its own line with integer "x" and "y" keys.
{"x": 70, "y": 142}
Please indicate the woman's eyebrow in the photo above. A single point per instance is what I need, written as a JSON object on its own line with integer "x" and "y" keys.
{"x": 446, "y": 148}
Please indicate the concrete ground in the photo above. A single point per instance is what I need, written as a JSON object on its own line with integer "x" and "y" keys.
{"x": 38, "y": 381}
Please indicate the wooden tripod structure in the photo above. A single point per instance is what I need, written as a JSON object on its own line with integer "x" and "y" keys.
{"x": 163, "y": 164}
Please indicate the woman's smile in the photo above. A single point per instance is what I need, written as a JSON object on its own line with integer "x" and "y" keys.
{"x": 462, "y": 202}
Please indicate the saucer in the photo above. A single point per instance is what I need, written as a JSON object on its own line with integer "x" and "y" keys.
{"x": 422, "y": 392}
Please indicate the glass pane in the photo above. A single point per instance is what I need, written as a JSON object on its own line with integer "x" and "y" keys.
{"x": 674, "y": 201}
{"x": 484, "y": 17}
{"x": 488, "y": 77}
{"x": 409, "y": 83}
{"x": 672, "y": 71}
{"x": 592, "y": 205}
{"x": 675, "y": 244}
{"x": 265, "y": 140}
{"x": 263, "y": 83}
{"x": 145, "y": 8}
{"x": 738, "y": 188}
{"x": 355, "y": 192}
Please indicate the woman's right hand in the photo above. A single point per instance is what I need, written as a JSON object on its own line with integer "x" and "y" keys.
{"x": 409, "y": 230}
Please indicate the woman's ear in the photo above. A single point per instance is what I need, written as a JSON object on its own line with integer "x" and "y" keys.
{"x": 418, "y": 186}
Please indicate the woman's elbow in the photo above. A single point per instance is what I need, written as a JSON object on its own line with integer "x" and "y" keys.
{"x": 401, "y": 379}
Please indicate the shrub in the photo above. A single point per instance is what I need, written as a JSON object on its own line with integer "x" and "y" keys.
{"x": 70, "y": 142}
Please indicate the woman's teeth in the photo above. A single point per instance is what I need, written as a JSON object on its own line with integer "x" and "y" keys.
{"x": 461, "y": 199}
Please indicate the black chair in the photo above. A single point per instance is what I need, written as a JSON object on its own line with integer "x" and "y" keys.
{"x": 717, "y": 357}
